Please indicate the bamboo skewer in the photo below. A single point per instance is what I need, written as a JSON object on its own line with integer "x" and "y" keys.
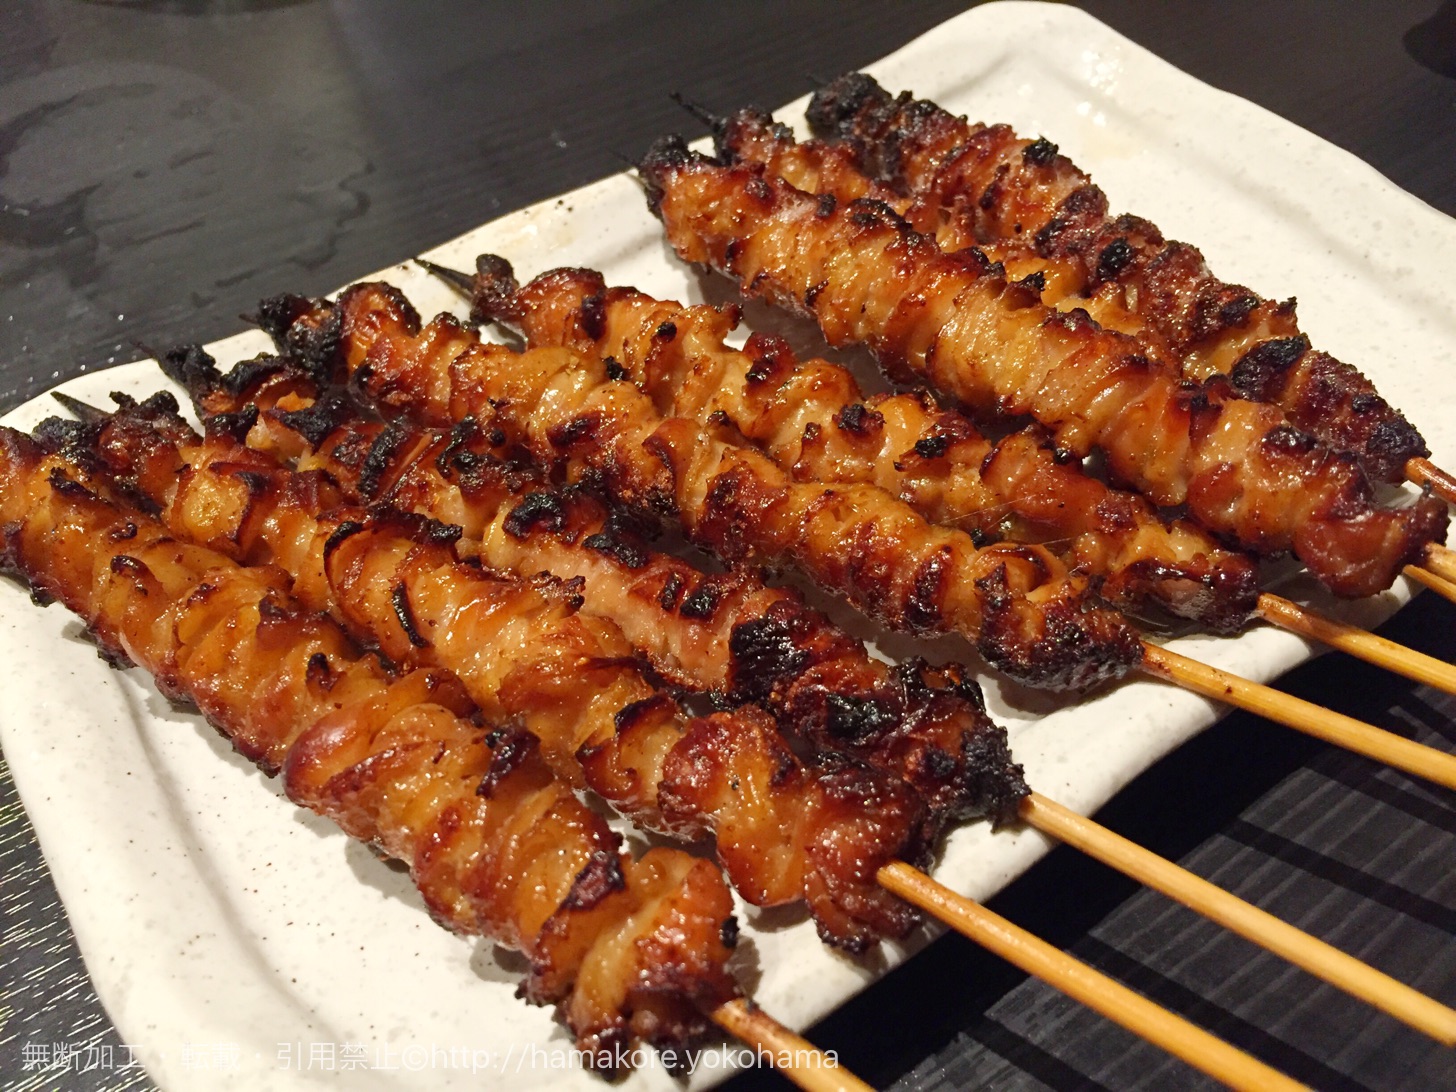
{"x": 1274, "y": 609}
{"x": 817, "y": 1071}
{"x": 1315, "y": 956}
{"x": 1425, "y": 472}
{"x": 1432, "y": 581}
{"x": 1326, "y": 724}
{"x": 1293, "y": 712}
{"x": 1358, "y": 642}
{"x": 1131, "y": 1010}
{"x": 1220, "y": 906}
{"x": 1441, "y": 560}
{"x": 792, "y": 1055}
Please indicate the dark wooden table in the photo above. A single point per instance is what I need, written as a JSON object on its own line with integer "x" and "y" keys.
{"x": 165, "y": 163}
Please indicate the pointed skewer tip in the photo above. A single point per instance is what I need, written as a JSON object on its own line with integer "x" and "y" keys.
{"x": 702, "y": 113}
{"x": 82, "y": 411}
{"x": 463, "y": 283}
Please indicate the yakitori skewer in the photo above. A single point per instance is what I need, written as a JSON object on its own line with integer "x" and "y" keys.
{"x": 814, "y": 419}
{"x": 1196, "y": 1046}
{"x": 1430, "y": 580}
{"x": 407, "y": 466}
{"x": 1437, "y": 1021}
{"x": 496, "y": 845}
{"x": 866, "y": 277}
{"x": 1030, "y": 206}
{"x": 439, "y": 377}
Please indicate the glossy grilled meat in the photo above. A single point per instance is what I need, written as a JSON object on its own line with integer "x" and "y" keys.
{"x": 579, "y": 415}
{"x": 953, "y": 319}
{"x": 527, "y": 656}
{"x": 815, "y": 421}
{"x": 725, "y": 632}
{"x": 975, "y": 184}
{"x": 495, "y": 845}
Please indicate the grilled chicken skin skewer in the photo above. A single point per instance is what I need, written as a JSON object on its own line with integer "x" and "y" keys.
{"x": 813, "y": 419}
{"x": 866, "y": 277}
{"x": 1026, "y": 615}
{"x": 579, "y": 413}
{"x": 817, "y": 830}
{"x": 973, "y": 184}
{"x": 724, "y": 632}
{"x": 591, "y": 902}
{"x": 399, "y": 365}
{"x": 495, "y": 845}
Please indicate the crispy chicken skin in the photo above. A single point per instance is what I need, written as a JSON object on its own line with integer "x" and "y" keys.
{"x": 972, "y": 184}
{"x": 955, "y": 321}
{"x": 577, "y": 414}
{"x": 728, "y": 633}
{"x": 816, "y": 422}
{"x": 496, "y": 846}
{"x": 528, "y": 656}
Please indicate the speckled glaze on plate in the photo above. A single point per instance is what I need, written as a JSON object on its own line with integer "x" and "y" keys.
{"x": 241, "y": 942}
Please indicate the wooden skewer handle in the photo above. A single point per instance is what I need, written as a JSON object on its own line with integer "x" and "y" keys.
{"x": 1358, "y": 642}
{"x": 792, "y": 1055}
{"x": 1441, "y": 561}
{"x": 1326, "y": 724}
{"x": 1315, "y": 956}
{"x": 1425, "y": 472}
{"x": 1432, "y": 581}
{"x": 1077, "y": 980}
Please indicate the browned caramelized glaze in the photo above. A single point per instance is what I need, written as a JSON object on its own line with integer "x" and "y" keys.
{"x": 815, "y": 421}
{"x": 955, "y": 320}
{"x": 528, "y": 656}
{"x": 496, "y": 845}
{"x": 1028, "y": 616}
{"x": 973, "y": 184}
{"x": 724, "y": 632}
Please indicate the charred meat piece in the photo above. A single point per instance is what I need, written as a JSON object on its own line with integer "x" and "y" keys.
{"x": 973, "y": 184}
{"x": 496, "y": 845}
{"x": 955, "y": 321}
{"x": 1028, "y": 616}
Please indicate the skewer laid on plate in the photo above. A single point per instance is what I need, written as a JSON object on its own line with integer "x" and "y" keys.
{"x": 788, "y": 408}
{"x": 1440, "y": 561}
{"x": 792, "y": 1055}
{"x": 403, "y": 362}
{"x": 1440, "y": 586}
{"x": 1357, "y": 642}
{"x": 1028, "y": 205}
{"x": 1355, "y": 735}
{"x": 1175, "y": 1034}
{"x": 1077, "y": 980}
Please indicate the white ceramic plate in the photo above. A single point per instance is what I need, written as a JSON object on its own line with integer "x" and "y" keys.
{"x": 238, "y": 941}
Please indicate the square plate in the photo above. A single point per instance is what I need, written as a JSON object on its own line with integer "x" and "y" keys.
{"x": 240, "y": 942}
